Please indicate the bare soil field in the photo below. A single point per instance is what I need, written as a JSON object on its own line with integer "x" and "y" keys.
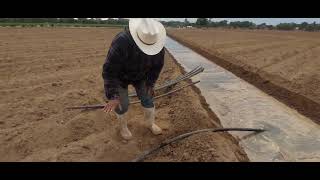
{"x": 284, "y": 64}
{"x": 45, "y": 70}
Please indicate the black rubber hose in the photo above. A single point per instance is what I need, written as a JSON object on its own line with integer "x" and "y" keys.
{"x": 183, "y": 136}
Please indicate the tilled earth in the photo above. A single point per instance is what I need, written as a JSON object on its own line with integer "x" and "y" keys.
{"x": 45, "y": 70}
{"x": 284, "y": 64}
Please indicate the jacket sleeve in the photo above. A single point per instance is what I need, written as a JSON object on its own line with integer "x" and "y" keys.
{"x": 112, "y": 69}
{"x": 154, "y": 72}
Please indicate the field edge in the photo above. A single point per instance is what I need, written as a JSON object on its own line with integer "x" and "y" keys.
{"x": 206, "y": 107}
{"x": 300, "y": 103}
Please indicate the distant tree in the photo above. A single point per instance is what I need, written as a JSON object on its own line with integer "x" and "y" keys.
{"x": 202, "y": 22}
{"x": 91, "y": 21}
{"x": 242, "y": 24}
{"x": 312, "y": 27}
{"x": 173, "y": 23}
{"x": 96, "y": 20}
{"x": 303, "y": 26}
{"x": 123, "y": 21}
{"x": 270, "y": 27}
{"x": 82, "y": 20}
{"x": 186, "y": 22}
{"x": 286, "y": 26}
{"x": 262, "y": 26}
{"x": 317, "y": 27}
{"x": 223, "y": 23}
{"x": 111, "y": 21}
{"x": 67, "y": 20}
{"x": 213, "y": 23}
{"x": 235, "y": 24}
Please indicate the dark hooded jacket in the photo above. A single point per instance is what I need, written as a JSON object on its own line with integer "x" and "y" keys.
{"x": 126, "y": 64}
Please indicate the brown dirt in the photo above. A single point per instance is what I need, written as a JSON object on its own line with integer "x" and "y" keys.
{"x": 285, "y": 65}
{"x": 44, "y": 70}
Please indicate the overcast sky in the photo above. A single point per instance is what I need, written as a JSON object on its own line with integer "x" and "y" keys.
{"x": 270, "y": 21}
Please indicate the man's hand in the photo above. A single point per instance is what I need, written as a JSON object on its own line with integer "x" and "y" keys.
{"x": 111, "y": 105}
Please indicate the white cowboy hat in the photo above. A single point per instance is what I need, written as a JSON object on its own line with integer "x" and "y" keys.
{"x": 148, "y": 34}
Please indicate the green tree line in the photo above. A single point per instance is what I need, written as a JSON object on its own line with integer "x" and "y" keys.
{"x": 207, "y": 22}
{"x": 53, "y": 21}
{"x": 200, "y": 22}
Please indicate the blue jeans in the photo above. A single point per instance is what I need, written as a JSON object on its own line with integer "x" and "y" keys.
{"x": 144, "y": 97}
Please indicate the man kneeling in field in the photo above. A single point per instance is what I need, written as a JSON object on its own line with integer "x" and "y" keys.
{"x": 136, "y": 57}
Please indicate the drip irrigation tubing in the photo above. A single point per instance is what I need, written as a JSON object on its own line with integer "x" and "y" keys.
{"x": 183, "y": 136}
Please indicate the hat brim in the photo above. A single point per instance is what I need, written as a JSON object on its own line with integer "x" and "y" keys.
{"x": 147, "y": 49}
